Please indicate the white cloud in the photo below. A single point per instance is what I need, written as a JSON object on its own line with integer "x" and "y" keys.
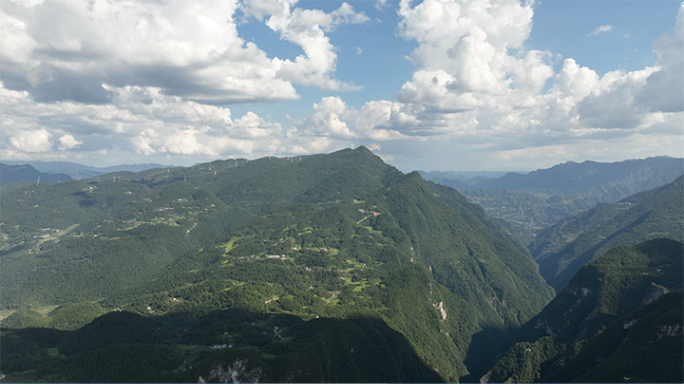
{"x": 664, "y": 90}
{"x": 325, "y": 121}
{"x": 147, "y": 77}
{"x": 67, "y": 49}
{"x": 185, "y": 142}
{"x": 611, "y": 103}
{"x": 380, "y": 4}
{"x": 306, "y": 28}
{"x": 601, "y": 29}
{"x": 140, "y": 120}
{"x": 575, "y": 81}
{"x": 475, "y": 83}
{"x": 68, "y": 141}
{"x": 32, "y": 141}
{"x": 464, "y": 58}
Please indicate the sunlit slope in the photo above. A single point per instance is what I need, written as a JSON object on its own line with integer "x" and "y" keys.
{"x": 359, "y": 255}
{"x": 602, "y": 292}
{"x": 85, "y": 239}
{"x": 475, "y": 264}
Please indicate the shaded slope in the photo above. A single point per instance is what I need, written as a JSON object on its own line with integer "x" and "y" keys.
{"x": 563, "y": 249}
{"x": 646, "y": 346}
{"x": 470, "y": 261}
{"x": 602, "y": 292}
{"x": 124, "y": 347}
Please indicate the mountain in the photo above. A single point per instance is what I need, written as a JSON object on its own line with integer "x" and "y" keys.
{"x": 80, "y": 171}
{"x": 344, "y": 245}
{"x": 539, "y": 199}
{"x": 14, "y": 173}
{"x": 646, "y": 346}
{"x": 253, "y": 347}
{"x": 564, "y": 248}
{"x": 460, "y": 179}
{"x": 619, "y": 179}
{"x": 589, "y": 331}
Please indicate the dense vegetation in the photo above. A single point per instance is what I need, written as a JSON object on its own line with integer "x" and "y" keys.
{"x": 345, "y": 246}
{"x": 564, "y": 248}
{"x": 589, "y": 331}
{"x": 250, "y": 347}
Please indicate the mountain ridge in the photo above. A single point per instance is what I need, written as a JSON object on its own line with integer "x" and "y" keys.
{"x": 535, "y": 201}
{"x": 24, "y": 172}
{"x": 329, "y": 236}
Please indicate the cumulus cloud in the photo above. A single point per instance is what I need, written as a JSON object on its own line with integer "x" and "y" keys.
{"x": 142, "y": 120}
{"x": 575, "y": 81}
{"x": 464, "y": 58}
{"x": 332, "y": 118}
{"x": 68, "y": 141}
{"x": 306, "y": 28}
{"x": 475, "y": 83}
{"x": 32, "y": 141}
{"x": 326, "y": 120}
{"x": 67, "y": 50}
{"x": 153, "y": 78}
{"x": 601, "y": 29}
{"x": 664, "y": 88}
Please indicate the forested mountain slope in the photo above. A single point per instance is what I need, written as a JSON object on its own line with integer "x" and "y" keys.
{"x": 341, "y": 236}
{"x": 564, "y": 248}
{"x": 590, "y": 322}
{"x": 646, "y": 346}
{"x": 92, "y": 237}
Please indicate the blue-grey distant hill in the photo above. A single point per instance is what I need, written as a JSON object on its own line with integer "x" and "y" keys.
{"x": 13, "y": 173}
{"x": 616, "y": 178}
{"x": 537, "y": 200}
{"x": 80, "y": 171}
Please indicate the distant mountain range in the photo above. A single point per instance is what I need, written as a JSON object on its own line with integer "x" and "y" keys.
{"x": 14, "y": 173}
{"x": 80, "y": 171}
{"x": 618, "y": 179}
{"x": 537, "y": 200}
{"x": 629, "y": 176}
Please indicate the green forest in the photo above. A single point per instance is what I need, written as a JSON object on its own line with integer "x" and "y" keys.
{"x": 309, "y": 269}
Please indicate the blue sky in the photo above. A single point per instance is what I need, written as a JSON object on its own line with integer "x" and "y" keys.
{"x": 433, "y": 85}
